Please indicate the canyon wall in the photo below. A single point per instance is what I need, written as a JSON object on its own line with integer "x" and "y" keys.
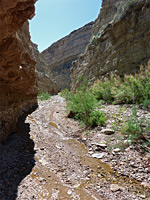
{"x": 18, "y": 93}
{"x": 60, "y": 55}
{"x": 120, "y": 41}
{"x": 45, "y": 79}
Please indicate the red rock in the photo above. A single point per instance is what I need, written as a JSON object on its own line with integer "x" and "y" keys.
{"x": 17, "y": 66}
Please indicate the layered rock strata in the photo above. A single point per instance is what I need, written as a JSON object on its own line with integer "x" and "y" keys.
{"x": 60, "y": 55}
{"x": 45, "y": 79}
{"x": 17, "y": 66}
{"x": 120, "y": 41}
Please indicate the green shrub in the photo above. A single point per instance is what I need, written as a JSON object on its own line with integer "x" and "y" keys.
{"x": 93, "y": 40}
{"x": 102, "y": 90}
{"x": 130, "y": 89}
{"x": 81, "y": 103}
{"x": 134, "y": 131}
{"x": 97, "y": 118}
{"x": 65, "y": 93}
{"x": 135, "y": 128}
{"x": 95, "y": 37}
{"x": 43, "y": 96}
{"x": 146, "y": 103}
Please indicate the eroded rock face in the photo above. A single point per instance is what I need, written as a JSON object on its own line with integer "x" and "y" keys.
{"x": 45, "y": 79}
{"x": 120, "y": 41}
{"x": 60, "y": 55}
{"x": 17, "y": 66}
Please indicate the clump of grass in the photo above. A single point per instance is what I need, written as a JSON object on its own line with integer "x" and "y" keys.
{"x": 43, "y": 96}
{"x": 130, "y": 89}
{"x": 102, "y": 90}
{"x": 66, "y": 94}
{"x": 135, "y": 129}
{"x": 97, "y": 118}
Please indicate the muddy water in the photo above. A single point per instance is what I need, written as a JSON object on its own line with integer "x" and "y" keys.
{"x": 99, "y": 167}
{"x": 54, "y": 182}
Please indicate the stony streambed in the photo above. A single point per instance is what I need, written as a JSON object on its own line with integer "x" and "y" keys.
{"x": 52, "y": 160}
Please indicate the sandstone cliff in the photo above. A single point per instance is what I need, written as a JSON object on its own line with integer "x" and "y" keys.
{"x": 60, "y": 55}
{"x": 45, "y": 79}
{"x": 120, "y": 41}
{"x": 17, "y": 66}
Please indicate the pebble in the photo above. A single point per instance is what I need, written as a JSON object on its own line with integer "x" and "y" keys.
{"x": 98, "y": 155}
{"x": 107, "y": 131}
{"x": 100, "y": 145}
{"x": 145, "y": 184}
{"x": 90, "y": 152}
{"x": 116, "y": 150}
{"x": 115, "y": 187}
{"x": 69, "y": 192}
{"x": 142, "y": 196}
{"x": 99, "y": 175}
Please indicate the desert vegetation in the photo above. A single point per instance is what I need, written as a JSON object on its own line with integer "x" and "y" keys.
{"x": 43, "y": 96}
{"x": 133, "y": 89}
{"x": 85, "y": 104}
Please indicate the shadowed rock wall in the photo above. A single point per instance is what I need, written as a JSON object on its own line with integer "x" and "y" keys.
{"x": 17, "y": 66}
{"x": 45, "y": 79}
{"x": 60, "y": 55}
{"x": 120, "y": 41}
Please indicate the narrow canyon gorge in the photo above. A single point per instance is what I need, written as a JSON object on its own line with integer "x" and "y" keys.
{"x": 48, "y": 152}
{"x": 60, "y": 55}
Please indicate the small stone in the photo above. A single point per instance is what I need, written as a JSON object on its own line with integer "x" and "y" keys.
{"x": 58, "y": 146}
{"x": 116, "y": 150}
{"x": 101, "y": 145}
{"x": 98, "y": 155}
{"x": 142, "y": 196}
{"x": 115, "y": 187}
{"x": 83, "y": 139}
{"x": 69, "y": 192}
{"x": 145, "y": 184}
{"x": 90, "y": 152}
{"x": 107, "y": 131}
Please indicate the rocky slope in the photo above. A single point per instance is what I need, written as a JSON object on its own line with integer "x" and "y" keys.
{"x": 60, "y": 55}
{"x": 120, "y": 41}
{"x": 63, "y": 159}
{"x": 45, "y": 79}
{"x": 17, "y": 66}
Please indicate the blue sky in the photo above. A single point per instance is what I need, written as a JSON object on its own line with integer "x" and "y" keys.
{"x": 57, "y": 18}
